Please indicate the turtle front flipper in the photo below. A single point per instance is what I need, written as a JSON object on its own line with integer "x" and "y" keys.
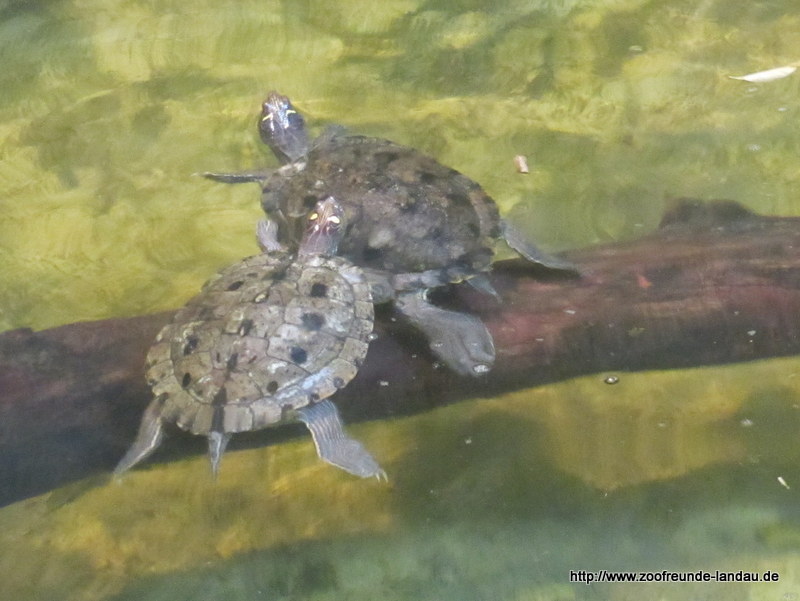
{"x": 239, "y": 178}
{"x": 151, "y": 432}
{"x": 332, "y": 443}
{"x": 460, "y": 340}
{"x": 520, "y": 243}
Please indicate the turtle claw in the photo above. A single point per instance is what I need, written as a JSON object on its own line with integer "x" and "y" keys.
{"x": 237, "y": 178}
{"x": 267, "y": 236}
{"x": 460, "y": 340}
{"x": 332, "y": 443}
{"x": 482, "y": 284}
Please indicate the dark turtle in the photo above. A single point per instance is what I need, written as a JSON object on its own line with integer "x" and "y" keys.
{"x": 267, "y": 341}
{"x": 411, "y": 221}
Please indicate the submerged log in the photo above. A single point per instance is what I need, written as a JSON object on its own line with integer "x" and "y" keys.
{"x": 714, "y": 284}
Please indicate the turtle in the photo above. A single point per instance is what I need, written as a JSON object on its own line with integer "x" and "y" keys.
{"x": 267, "y": 341}
{"x": 413, "y": 223}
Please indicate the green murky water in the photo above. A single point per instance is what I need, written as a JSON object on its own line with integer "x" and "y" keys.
{"x": 107, "y": 109}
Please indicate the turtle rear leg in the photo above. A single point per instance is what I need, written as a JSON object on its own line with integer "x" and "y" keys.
{"x": 332, "y": 443}
{"x": 217, "y": 441}
{"x": 151, "y": 432}
{"x": 520, "y": 243}
{"x": 460, "y": 340}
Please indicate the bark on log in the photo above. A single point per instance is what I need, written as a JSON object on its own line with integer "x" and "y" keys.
{"x": 714, "y": 284}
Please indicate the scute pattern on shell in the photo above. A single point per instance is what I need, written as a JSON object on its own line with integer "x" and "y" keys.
{"x": 265, "y": 336}
{"x": 408, "y": 213}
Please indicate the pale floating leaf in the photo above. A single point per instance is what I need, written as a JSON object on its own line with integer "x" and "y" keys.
{"x": 768, "y": 75}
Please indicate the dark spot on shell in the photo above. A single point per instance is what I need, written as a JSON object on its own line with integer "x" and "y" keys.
{"x": 191, "y": 344}
{"x": 426, "y": 177}
{"x": 313, "y": 321}
{"x": 161, "y": 399}
{"x": 358, "y": 363}
{"x": 298, "y": 355}
{"x": 235, "y": 285}
{"x": 338, "y": 382}
{"x": 232, "y": 361}
{"x": 458, "y": 198}
{"x": 272, "y": 387}
{"x": 245, "y": 327}
{"x": 187, "y": 379}
{"x": 474, "y": 229}
{"x": 313, "y": 397}
{"x": 276, "y": 276}
{"x": 309, "y": 201}
{"x": 437, "y": 232}
{"x": 319, "y": 290}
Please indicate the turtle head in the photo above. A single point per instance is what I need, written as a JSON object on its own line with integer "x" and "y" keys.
{"x": 283, "y": 129}
{"x": 324, "y": 229}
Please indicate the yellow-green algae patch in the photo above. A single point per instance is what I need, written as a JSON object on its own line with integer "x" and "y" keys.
{"x": 109, "y": 109}
{"x": 174, "y": 517}
{"x": 479, "y": 465}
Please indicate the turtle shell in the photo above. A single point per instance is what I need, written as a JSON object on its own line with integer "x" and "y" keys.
{"x": 265, "y": 336}
{"x": 407, "y": 213}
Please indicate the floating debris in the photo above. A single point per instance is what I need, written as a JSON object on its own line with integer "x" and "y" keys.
{"x": 521, "y": 163}
{"x": 611, "y": 379}
{"x": 768, "y": 75}
{"x": 783, "y": 483}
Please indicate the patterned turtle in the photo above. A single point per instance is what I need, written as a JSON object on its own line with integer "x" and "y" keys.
{"x": 413, "y": 223}
{"x": 266, "y": 342}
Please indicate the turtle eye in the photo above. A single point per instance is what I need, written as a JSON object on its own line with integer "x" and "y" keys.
{"x": 314, "y": 216}
{"x": 334, "y": 220}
